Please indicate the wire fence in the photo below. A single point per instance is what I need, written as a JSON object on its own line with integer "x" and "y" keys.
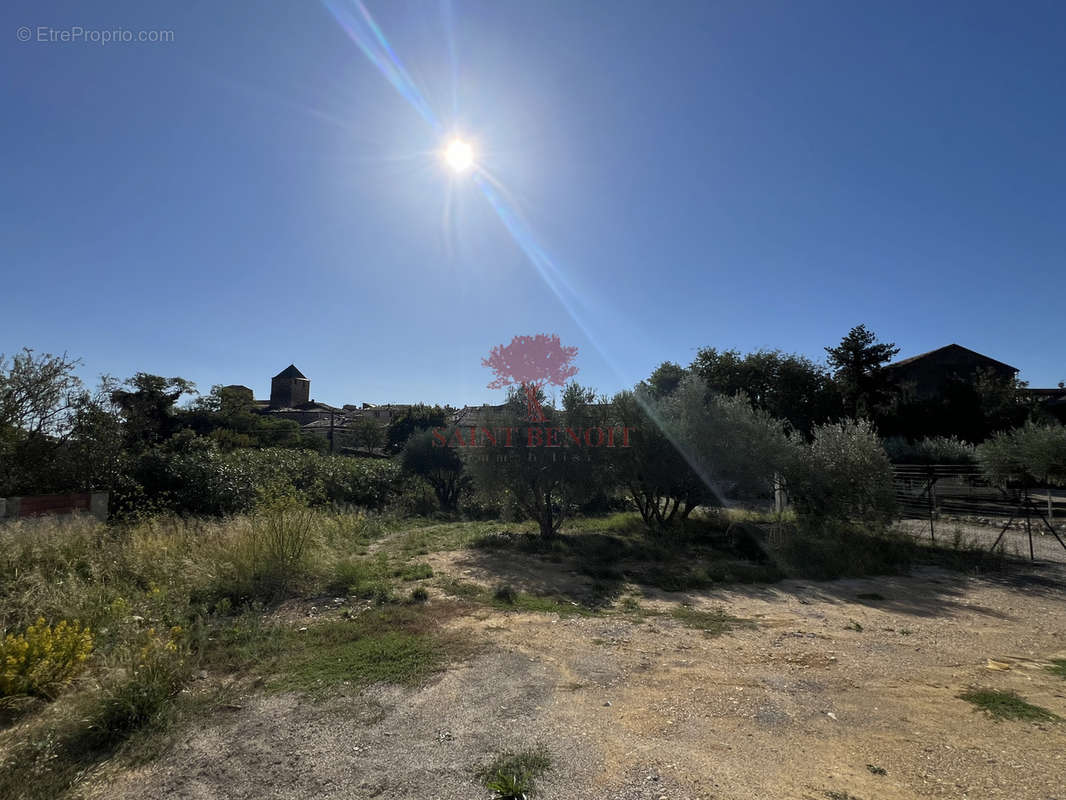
{"x": 933, "y": 494}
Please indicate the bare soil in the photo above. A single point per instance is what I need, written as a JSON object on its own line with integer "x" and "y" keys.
{"x": 837, "y": 689}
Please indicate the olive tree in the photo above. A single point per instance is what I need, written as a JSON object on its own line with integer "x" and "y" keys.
{"x": 1029, "y": 455}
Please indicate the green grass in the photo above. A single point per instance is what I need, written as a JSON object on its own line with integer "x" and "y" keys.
{"x": 513, "y": 775}
{"x": 1000, "y": 705}
{"x": 1058, "y": 667}
{"x": 712, "y": 623}
{"x": 506, "y": 598}
{"x": 397, "y": 644}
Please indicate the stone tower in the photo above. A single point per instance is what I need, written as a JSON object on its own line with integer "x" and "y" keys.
{"x": 289, "y": 388}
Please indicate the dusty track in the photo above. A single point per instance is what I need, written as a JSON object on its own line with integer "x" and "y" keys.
{"x": 796, "y": 706}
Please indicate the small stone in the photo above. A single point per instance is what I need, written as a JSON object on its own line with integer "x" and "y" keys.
{"x": 303, "y": 629}
{"x": 607, "y": 703}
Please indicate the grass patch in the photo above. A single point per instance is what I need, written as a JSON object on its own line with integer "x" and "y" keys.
{"x": 514, "y": 775}
{"x": 397, "y": 644}
{"x": 1002, "y": 705}
{"x": 1058, "y": 667}
{"x": 506, "y": 598}
{"x": 712, "y": 623}
{"x": 413, "y": 572}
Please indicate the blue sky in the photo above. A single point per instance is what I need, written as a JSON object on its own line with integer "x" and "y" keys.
{"x": 735, "y": 174}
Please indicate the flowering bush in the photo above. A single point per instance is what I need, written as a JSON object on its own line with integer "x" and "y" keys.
{"x": 43, "y": 659}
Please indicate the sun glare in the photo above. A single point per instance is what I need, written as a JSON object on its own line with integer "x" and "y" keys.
{"x": 459, "y": 155}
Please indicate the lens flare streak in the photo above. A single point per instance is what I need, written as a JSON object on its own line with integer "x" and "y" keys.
{"x": 364, "y": 31}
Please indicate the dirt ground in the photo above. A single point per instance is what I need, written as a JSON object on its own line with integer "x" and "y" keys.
{"x": 822, "y": 692}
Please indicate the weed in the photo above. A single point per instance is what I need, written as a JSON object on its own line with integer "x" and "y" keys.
{"x": 43, "y": 659}
{"x": 712, "y": 623}
{"x": 505, "y": 593}
{"x": 419, "y": 594}
{"x": 854, "y": 625}
{"x": 1058, "y": 667}
{"x": 1000, "y": 705}
{"x": 513, "y": 776}
{"x": 413, "y": 572}
{"x": 876, "y": 770}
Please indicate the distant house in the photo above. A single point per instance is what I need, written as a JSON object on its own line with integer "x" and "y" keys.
{"x": 929, "y": 375}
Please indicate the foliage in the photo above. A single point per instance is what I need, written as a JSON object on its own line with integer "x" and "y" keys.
{"x": 427, "y": 455}
{"x": 149, "y": 672}
{"x": 42, "y": 660}
{"x": 544, "y": 470}
{"x": 689, "y": 449}
{"x": 1030, "y": 454}
{"x": 665, "y": 379}
{"x": 857, "y": 364}
{"x": 38, "y": 397}
{"x": 366, "y": 433}
{"x": 844, "y": 473}
{"x": 147, "y": 407}
{"x": 228, "y": 415}
{"x": 787, "y": 386}
{"x": 200, "y": 479}
{"x": 932, "y": 450}
{"x": 512, "y": 776}
{"x": 417, "y": 418}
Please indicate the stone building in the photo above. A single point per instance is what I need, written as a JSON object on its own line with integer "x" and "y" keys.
{"x": 290, "y": 388}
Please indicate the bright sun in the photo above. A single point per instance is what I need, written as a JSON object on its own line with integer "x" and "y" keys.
{"x": 459, "y": 155}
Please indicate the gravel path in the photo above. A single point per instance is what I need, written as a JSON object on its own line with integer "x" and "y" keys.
{"x": 820, "y": 695}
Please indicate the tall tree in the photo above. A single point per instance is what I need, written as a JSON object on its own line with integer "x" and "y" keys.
{"x": 666, "y": 378}
{"x": 857, "y": 364}
{"x": 788, "y": 386}
{"x": 147, "y": 405}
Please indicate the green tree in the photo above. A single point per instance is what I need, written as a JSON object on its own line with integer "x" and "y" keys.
{"x": 366, "y": 433}
{"x": 1027, "y": 456}
{"x": 787, "y": 386}
{"x": 690, "y": 449}
{"x": 543, "y": 470}
{"x": 38, "y": 398}
{"x": 419, "y": 417}
{"x": 428, "y": 455}
{"x": 857, "y": 364}
{"x": 666, "y": 378}
{"x": 147, "y": 406}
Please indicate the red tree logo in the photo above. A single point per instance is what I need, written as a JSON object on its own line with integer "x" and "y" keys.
{"x": 532, "y": 362}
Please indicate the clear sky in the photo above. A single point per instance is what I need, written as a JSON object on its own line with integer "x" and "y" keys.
{"x": 739, "y": 174}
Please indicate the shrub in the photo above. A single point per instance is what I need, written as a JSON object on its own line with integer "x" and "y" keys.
{"x": 43, "y": 659}
{"x": 932, "y": 450}
{"x": 200, "y": 479}
{"x": 843, "y": 474}
{"x": 149, "y": 673}
{"x": 270, "y": 556}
